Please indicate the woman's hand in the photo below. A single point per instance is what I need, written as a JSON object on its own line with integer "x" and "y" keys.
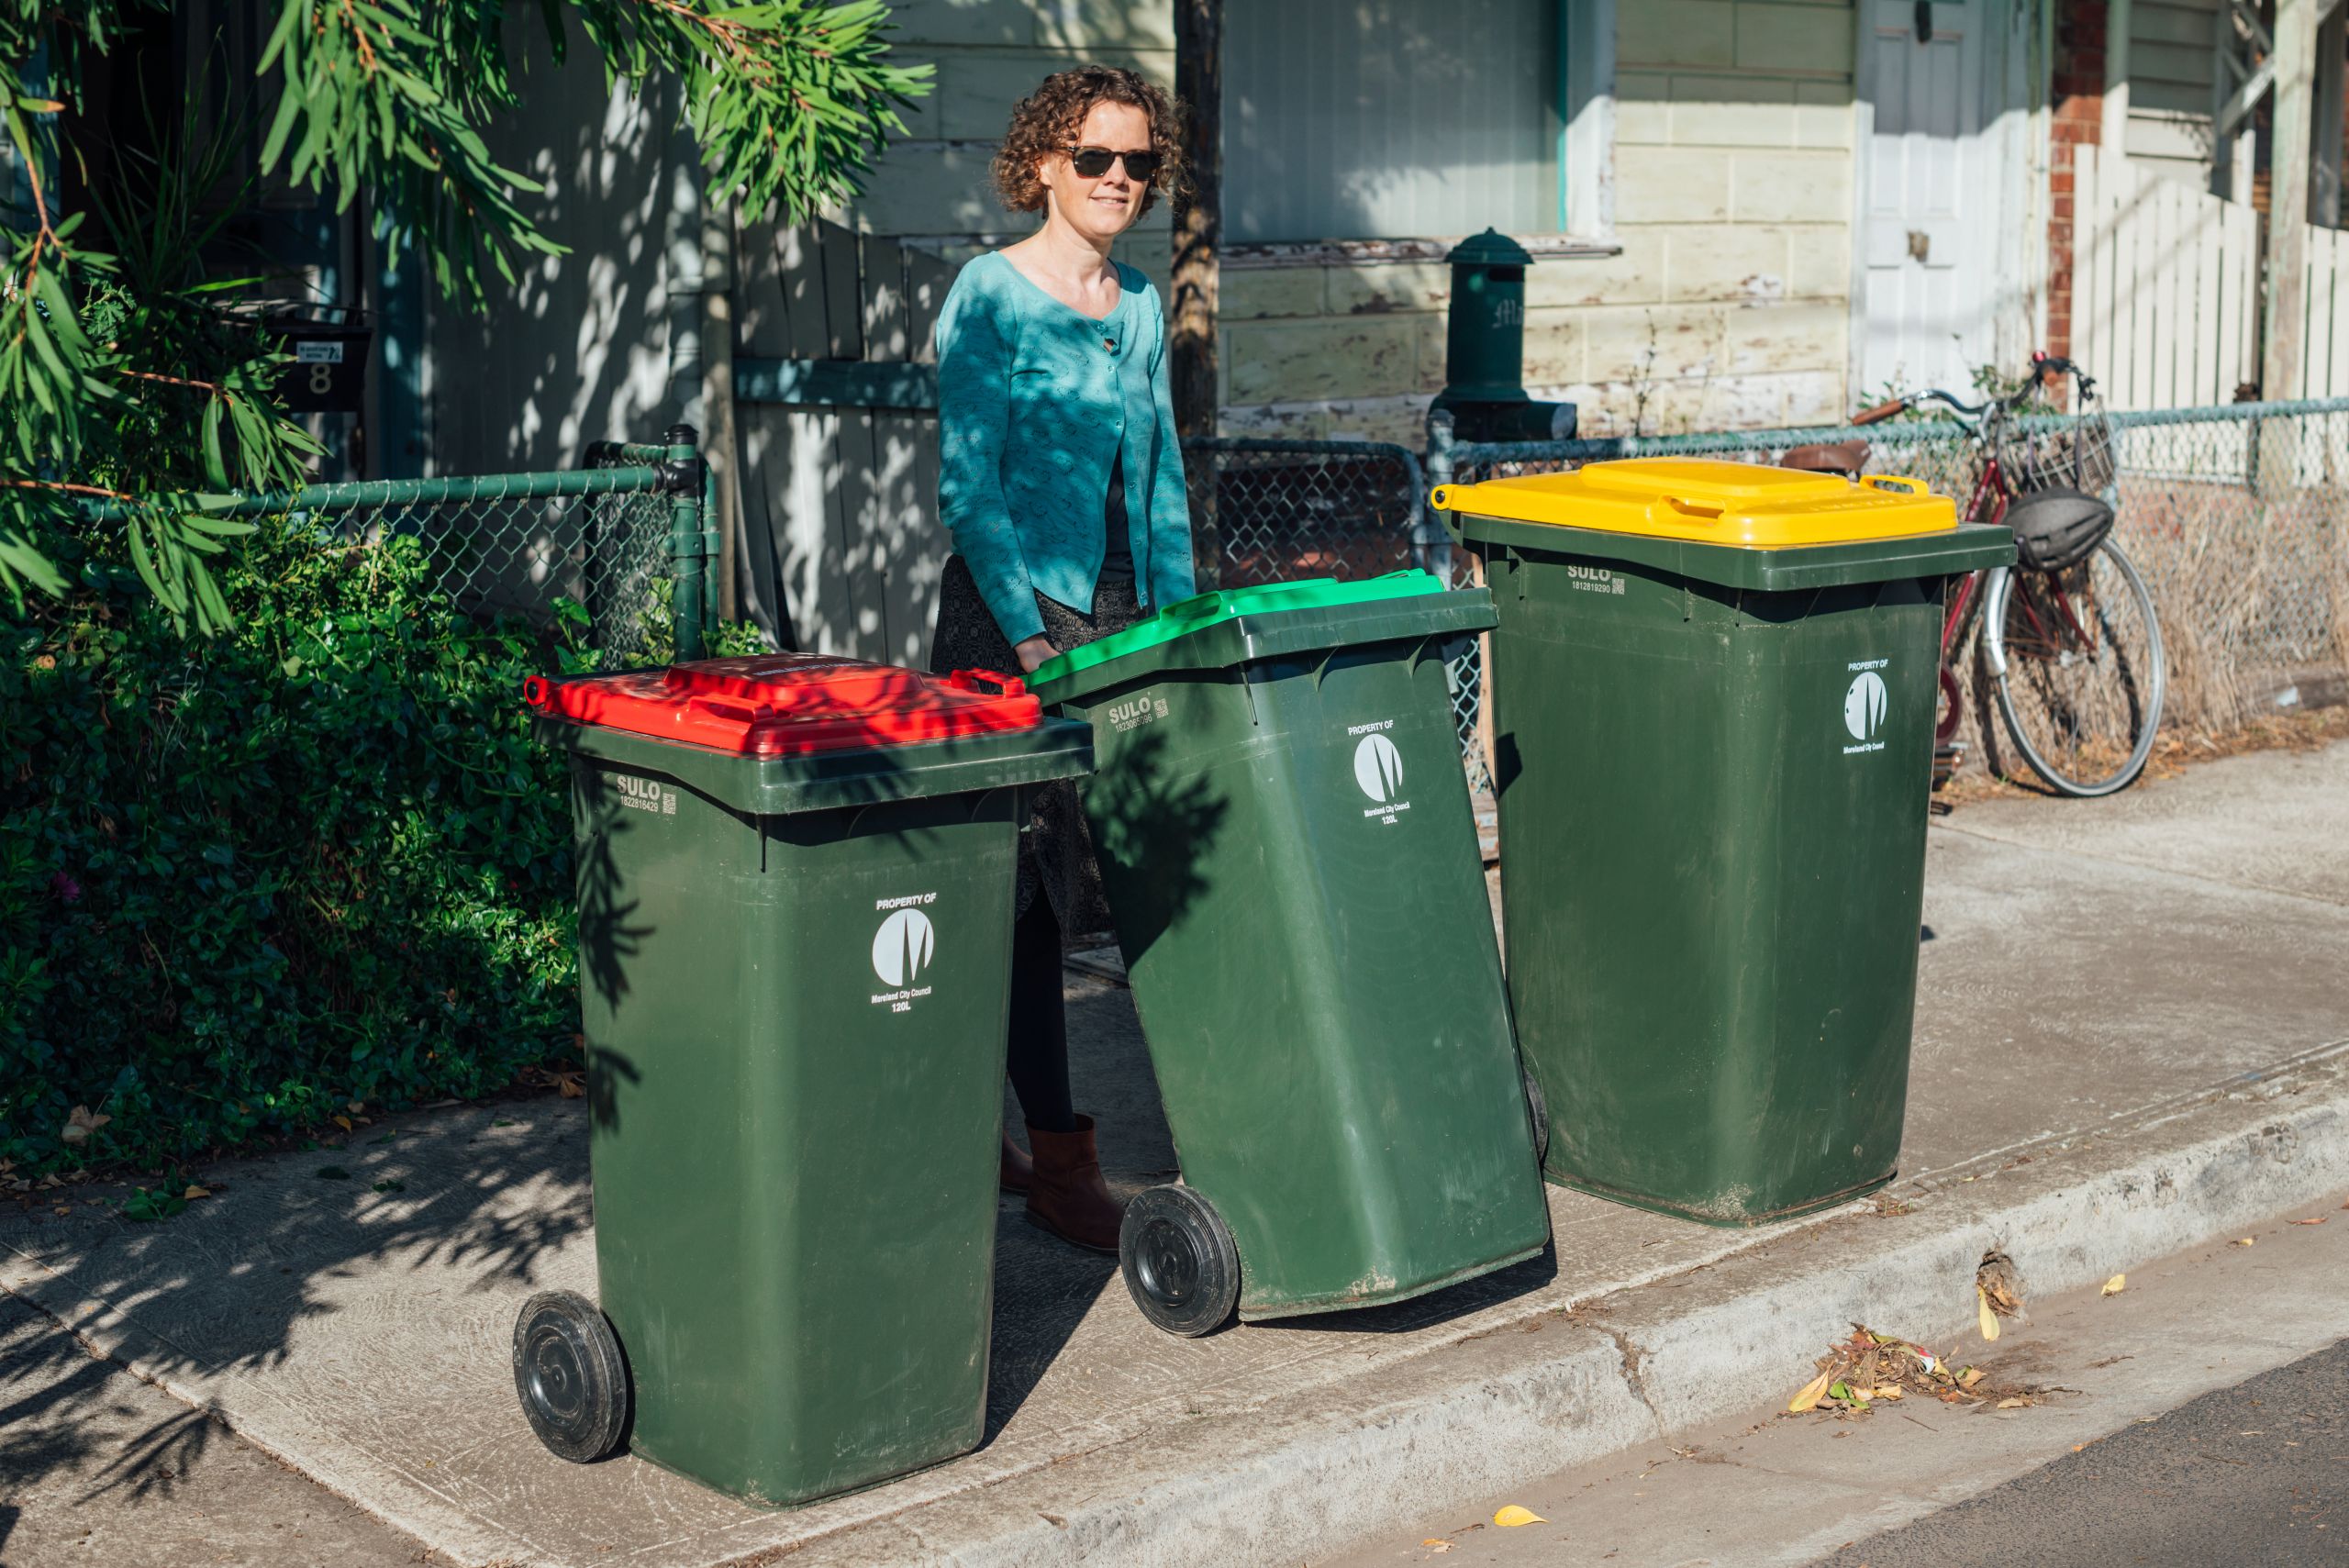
{"x": 1034, "y": 651}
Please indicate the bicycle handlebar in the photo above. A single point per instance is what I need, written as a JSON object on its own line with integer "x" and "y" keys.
{"x": 1935, "y": 394}
{"x": 2042, "y": 366}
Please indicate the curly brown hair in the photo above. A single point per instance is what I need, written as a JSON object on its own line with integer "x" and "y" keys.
{"x": 1049, "y": 120}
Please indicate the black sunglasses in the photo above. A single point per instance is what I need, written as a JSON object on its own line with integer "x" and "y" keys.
{"x": 1094, "y": 161}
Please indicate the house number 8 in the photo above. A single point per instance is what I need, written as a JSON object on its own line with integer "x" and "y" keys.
{"x": 321, "y": 380}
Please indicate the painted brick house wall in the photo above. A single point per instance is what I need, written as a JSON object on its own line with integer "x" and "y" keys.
{"x": 1727, "y": 304}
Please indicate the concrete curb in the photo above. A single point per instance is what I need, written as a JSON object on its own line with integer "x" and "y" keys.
{"x": 1472, "y": 1419}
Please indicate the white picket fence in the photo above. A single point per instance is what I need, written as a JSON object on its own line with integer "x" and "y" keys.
{"x": 2324, "y": 343}
{"x": 2166, "y": 290}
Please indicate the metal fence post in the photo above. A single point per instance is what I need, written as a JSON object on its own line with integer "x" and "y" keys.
{"x": 683, "y": 479}
{"x": 712, "y": 545}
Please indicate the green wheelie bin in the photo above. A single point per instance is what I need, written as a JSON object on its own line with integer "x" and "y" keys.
{"x": 1714, "y": 689}
{"x": 1284, "y": 835}
{"x": 795, "y": 877}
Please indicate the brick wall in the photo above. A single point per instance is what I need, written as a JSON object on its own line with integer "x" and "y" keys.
{"x": 2078, "y": 121}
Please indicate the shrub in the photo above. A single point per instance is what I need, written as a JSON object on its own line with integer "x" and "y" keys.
{"x": 246, "y": 879}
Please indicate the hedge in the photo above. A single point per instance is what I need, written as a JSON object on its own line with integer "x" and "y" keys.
{"x": 246, "y": 879}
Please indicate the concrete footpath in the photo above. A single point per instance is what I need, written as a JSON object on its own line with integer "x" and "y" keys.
{"x": 2132, "y": 1035}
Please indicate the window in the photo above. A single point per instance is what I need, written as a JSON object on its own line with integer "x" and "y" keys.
{"x": 1386, "y": 120}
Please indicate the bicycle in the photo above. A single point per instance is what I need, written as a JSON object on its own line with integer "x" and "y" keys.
{"x": 2068, "y": 639}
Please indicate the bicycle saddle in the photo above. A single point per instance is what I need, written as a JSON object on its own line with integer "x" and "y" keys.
{"x": 1828, "y": 457}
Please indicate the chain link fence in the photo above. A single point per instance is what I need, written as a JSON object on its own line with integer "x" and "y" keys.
{"x": 1273, "y": 511}
{"x": 2236, "y": 515}
{"x": 597, "y": 547}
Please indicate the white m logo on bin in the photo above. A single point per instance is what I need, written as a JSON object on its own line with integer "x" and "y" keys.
{"x": 901, "y": 948}
{"x": 1864, "y": 705}
{"x": 1378, "y": 768}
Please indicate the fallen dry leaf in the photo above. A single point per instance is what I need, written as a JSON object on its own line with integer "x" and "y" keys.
{"x": 194, "y": 1191}
{"x": 1972, "y": 1375}
{"x": 571, "y": 1085}
{"x": 2318, "y": 1220}
{"x": 1513, "y": 1516}
{"x": 1435, "y": 1543}
{"x": 2116, "y": 1284}
{"x": 341, "y": 1121}
{"x": 1811, "y": 1394}
{"x": 2245, "y": 1241}
{"x": 1986, "y": 1319}
{"x": 80, "y": 1124}
{"x": 2012, "y": 1404}
{"x": 2000, "y": 1284}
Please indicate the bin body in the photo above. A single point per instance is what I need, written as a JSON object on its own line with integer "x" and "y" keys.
{"x": 794, "y": 982}
{"x": 1712, "y": 762}
{"x": 1286, "y": 838}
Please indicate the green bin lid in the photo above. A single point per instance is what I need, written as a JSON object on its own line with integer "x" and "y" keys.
{"x": 1190, "y": 616}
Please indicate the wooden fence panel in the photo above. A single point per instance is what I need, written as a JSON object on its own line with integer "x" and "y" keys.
{"x": 2166, "y": 280}
{"x": 840, "y": 500}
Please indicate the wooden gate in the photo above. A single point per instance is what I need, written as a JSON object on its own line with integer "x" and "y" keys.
{"x": 836, "y": 394}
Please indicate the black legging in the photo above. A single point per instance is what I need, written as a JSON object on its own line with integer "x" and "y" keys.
{"x": 1038, "y": 1060}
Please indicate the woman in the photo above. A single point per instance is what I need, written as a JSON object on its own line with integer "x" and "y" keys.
{"x": 1062, "y": 483}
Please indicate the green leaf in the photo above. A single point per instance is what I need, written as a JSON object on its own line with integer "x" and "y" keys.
{"x": 225, "y": 527}
{"x": 215, "y": 468}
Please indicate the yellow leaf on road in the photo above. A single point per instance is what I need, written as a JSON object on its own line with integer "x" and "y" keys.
{"x": 341, "y": 1121}
{"x": 2116, "y": 1284}
{"x": 2318, "y": 1220}
{"x": 1989, "y": 1319}
{"x": 2012, "y": 1404}
{"x": 194, "y": 1192}
{"x": 1811, "y": 1393}
{"x": 1513, "y": 1516}
{"x": 2245, "y": 1241}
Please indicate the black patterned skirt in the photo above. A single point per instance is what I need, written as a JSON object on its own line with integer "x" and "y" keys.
{"x": 1056, "y": 853}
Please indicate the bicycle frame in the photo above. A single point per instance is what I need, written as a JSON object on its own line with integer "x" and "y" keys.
{"x": 1989, "y": 504}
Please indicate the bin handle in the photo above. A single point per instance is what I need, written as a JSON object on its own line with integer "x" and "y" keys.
{"x": 733, "y": 709}
{"x": 1687, "y": 509}
{"x": 982, "y": 680}
{"x": 1906, "y": 486}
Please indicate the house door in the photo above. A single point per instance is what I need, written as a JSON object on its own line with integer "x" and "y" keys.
{"x": 1936, "y": 185}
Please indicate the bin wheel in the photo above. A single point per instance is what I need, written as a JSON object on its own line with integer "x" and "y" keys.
{"x": 1537, "y": 1106}
{"x": 571, "y": 1376}
{"x": 1179, "y": 1261}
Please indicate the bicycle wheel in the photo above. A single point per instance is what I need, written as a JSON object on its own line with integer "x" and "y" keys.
{"x": 2080, "y": 672}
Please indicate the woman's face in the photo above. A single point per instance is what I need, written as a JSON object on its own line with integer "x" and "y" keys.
{"x": 1104, "y": 207}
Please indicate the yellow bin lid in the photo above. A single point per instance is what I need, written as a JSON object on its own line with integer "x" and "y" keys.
{"x": 1743, "y": 505}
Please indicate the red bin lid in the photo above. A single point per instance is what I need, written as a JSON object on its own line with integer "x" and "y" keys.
{"x": 790, "y": 704}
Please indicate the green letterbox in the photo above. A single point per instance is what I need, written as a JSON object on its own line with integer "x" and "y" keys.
{"x": 1714, "y": 688}
{"x": 796, "y": 879}
{"x": 1286, "y": 838}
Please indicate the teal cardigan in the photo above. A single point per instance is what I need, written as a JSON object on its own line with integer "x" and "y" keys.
{"x": 1035, "y": 401}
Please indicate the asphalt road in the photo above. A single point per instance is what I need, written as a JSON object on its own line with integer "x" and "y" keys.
{"x": 2254, "y": 1474}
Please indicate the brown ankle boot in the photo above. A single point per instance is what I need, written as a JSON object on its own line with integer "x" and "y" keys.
{"x": 1066, "y": 1195}
{"x": 1014, "y": 1171}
